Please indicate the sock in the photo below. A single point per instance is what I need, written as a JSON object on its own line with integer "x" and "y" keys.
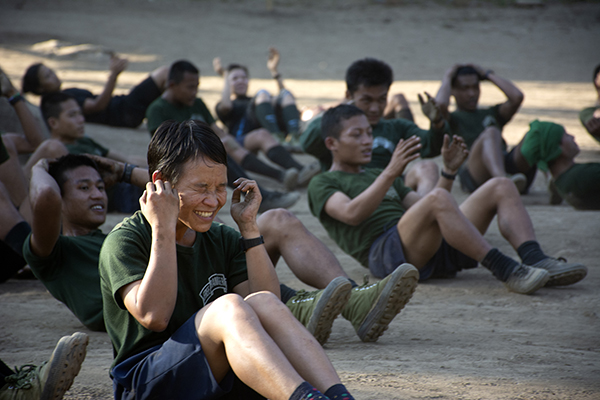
{"x": 16, "y": 237}
{"x": 338, "y": 392}
{"x": 531, "y": 252}
{"x": 286, "y": 293}
{"x": 266, "y": 117}
{"x": 291, "y": 118}
{"x": 499, "y": 264}
{"x": 234, "y": 171}
{"x": 254, "y": 164}
{"x": 305, "y": 392}
{"x": 281, "y": 156}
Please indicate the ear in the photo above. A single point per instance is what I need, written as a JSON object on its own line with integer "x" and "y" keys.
{"x": 53, "y": 123}
{"x": 348, "y": 95}
{"x": 157, "y": 175}
{"x": 331, "y": 143}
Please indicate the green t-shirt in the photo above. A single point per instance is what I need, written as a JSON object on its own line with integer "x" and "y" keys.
{"x": 580, "y": 185}
{"x": 87, "y": 145}
{"x": 213, "y": 266}
{"x": 70, "y": 273}
{"x": 470, "y": 124}
{"x": 161, "y": 110}
{"x": 386, "y": 135}
{"x": 355, "y": 240}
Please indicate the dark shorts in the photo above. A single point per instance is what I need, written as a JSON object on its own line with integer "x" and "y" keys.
{"x": 130, "y": 110}
{"x": 468, "y": 184}
{"x": 250, "y": 122}
{"x": 177, "y": 369}
{"x": 387, "y": 254}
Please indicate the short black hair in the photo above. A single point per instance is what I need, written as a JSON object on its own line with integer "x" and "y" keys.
{"x": 58, "y": 169}
{"x": 31, "y": 79}
{"x": 179, "y": 68}
{"x": 174, "y": 143}
{"x": 464, "y": 70}
{"x": 231, "y": 67}
{"x": 596, "y": 72}
{"x": 51, "y": 104}
{"x": 331, "y": 122}
{"x": 368, "y": 72}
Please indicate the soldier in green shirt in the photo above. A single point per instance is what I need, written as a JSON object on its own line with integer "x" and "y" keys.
{"x": 188, "y": 304}
{"x": 368, "y": 82}
{"x": 373, "y": 217}
{"x": 481, "y": 128}
{"x": 590, "y": 116}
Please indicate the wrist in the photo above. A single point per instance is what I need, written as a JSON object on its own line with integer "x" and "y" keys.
{"x": 247, "y": 244}
{"x": 127, "y": 171}
{"x": 448, "y": 175}
{"x": 15, "y": 98}
{"x": 276, "y": 76}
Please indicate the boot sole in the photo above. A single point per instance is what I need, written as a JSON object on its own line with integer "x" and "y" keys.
{"x": 326, "y": 312}
{"x": 396, "y": 294}
{"x": 66, "y": 363}
{"x": 567, "y": 277}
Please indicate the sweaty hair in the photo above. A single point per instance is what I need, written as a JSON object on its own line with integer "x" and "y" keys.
{"x": 58, "y": 169}
{"x": 179, "y": 68}
{"x": 174, "y": 143}
{"x": 31, "y": 79}
{"x": 466, "y": 70}
{"x": 368, "y": 72}
{"x": 231, "y": 67}
{"x": 596, "y": 72}
{"x": 51, "y": 104}
{"x": 331, "y": 122}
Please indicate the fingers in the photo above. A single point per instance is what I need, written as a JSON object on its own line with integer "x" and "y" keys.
{"x": 446, "y": 143}
{"x": 420, "y": 99}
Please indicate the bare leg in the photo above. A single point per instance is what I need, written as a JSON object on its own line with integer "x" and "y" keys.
{"x": 398, "y": 107}
{"x": 485, "y": 159}
{"x": 160, "y": 76}
{"x": 422, "y": 177}
{"x": 499, "y": 196}
{"x": 435, "y": 216}
{"x": 232, "y": 336}
{"x": 260, "y": 140}
{"x": 11, "y": 174}
{"x": 308, "y": 258}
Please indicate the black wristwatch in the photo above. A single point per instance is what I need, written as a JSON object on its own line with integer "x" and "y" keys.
{"x": 448, "y": 176}
{"x": 246, "y": 244}
{"x": 127, "y": 171}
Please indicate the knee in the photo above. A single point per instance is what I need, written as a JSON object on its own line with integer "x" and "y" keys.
{"x": 440, "y": 199}
{"x": 398, "y": 100}
{"x": 426, "y": 168}
{"x": 286, "y": 98}
{"x": 501, "y": 187}
{"x": 230, "y": 307}
{"x": 263, "y": 135}
{"x": 491, "y": 133}
{"x": 262, "y": 97}
{"x": 265, "y": 304}
{"x": 278, "y": 223}
{"x": 53, "y": 148}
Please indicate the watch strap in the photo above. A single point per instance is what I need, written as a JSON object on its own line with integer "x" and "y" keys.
{"x": 246, "y": 244}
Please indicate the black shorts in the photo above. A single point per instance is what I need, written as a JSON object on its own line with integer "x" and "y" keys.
{"x": 386, "y": 254}
{"x": 468, "y": 184}
{"x": 130, "y": 110}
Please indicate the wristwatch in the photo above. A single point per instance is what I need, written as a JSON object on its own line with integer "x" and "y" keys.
{"x": 246, "y": 244}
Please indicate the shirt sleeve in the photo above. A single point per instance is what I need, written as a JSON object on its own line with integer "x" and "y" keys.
{"x": 320, "y": 189}
{"x": 155, "y": 116}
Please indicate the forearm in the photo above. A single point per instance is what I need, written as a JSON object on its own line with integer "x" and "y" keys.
{"x": 225, "y": 105}
{"x": 101, "y": 102}
{"x": 46, "y": 204}
{"x": 442, "y": 98}
{"x": 33, "y": 133}
{"x": 261, "y": 273}
{"x": 362, "y": 207}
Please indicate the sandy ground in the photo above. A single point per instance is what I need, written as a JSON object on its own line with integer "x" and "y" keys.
{"x": 467, "y": 338}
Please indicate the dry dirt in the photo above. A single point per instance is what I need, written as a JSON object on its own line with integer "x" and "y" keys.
{"x": 467, "y": 338}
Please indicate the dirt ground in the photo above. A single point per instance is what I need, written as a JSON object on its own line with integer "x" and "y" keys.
{"x": 466, "y": 338}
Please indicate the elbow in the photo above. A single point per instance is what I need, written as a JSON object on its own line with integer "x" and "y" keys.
{"x": 354, "y": 220}
{"x": 519, "y": 97}
{"x": 154, "y": 323}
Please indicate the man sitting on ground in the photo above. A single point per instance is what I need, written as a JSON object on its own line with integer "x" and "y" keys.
{"x": 125, "y": 110}
{"x": 552, "y": 148}
{"x": 261, "y": 123}
{"x": 368, "y": 82}
{"x": 380, "y": 222}
{"x": 69, "y": 205}
{"x": 188, "y": 304}
{"x": 481, "y": 128}
{"x": 590, "y": 116}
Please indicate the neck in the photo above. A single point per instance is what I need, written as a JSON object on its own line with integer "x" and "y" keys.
{"x": 62, "y": 139}
{"x": 76, "y": 230}
{"x": 168, "y": 96}
{"x": 337, "y": 165}
{"x": 184, "y": 236}
{"x": 560, "y": 165}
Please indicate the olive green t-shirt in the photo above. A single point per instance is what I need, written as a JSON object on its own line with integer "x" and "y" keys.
{"x": 355, "y": 240}
{"x": 212, "y": 267}
{"x": 581, "y": 182}
{"x": 70, "y": 273}
{"x": 87, "y": 145}
{"x": 470, "y": 124}
{"x": 386, "y": 135}
{"x": 161, "y": 110}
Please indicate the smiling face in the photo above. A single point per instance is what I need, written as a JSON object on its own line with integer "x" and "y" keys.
{"x": 202, "y": 193}
{"x": 238, "y": 80}
{"x": 49, "y": 82}
{"x": 83, "y": 198}
{"x": 466, "y": 92}
{"x": 372, "y": 100}
{"x": 184, "y": 92}
{"x": 355, "y": 143}
{"x": 70, "y": 124}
